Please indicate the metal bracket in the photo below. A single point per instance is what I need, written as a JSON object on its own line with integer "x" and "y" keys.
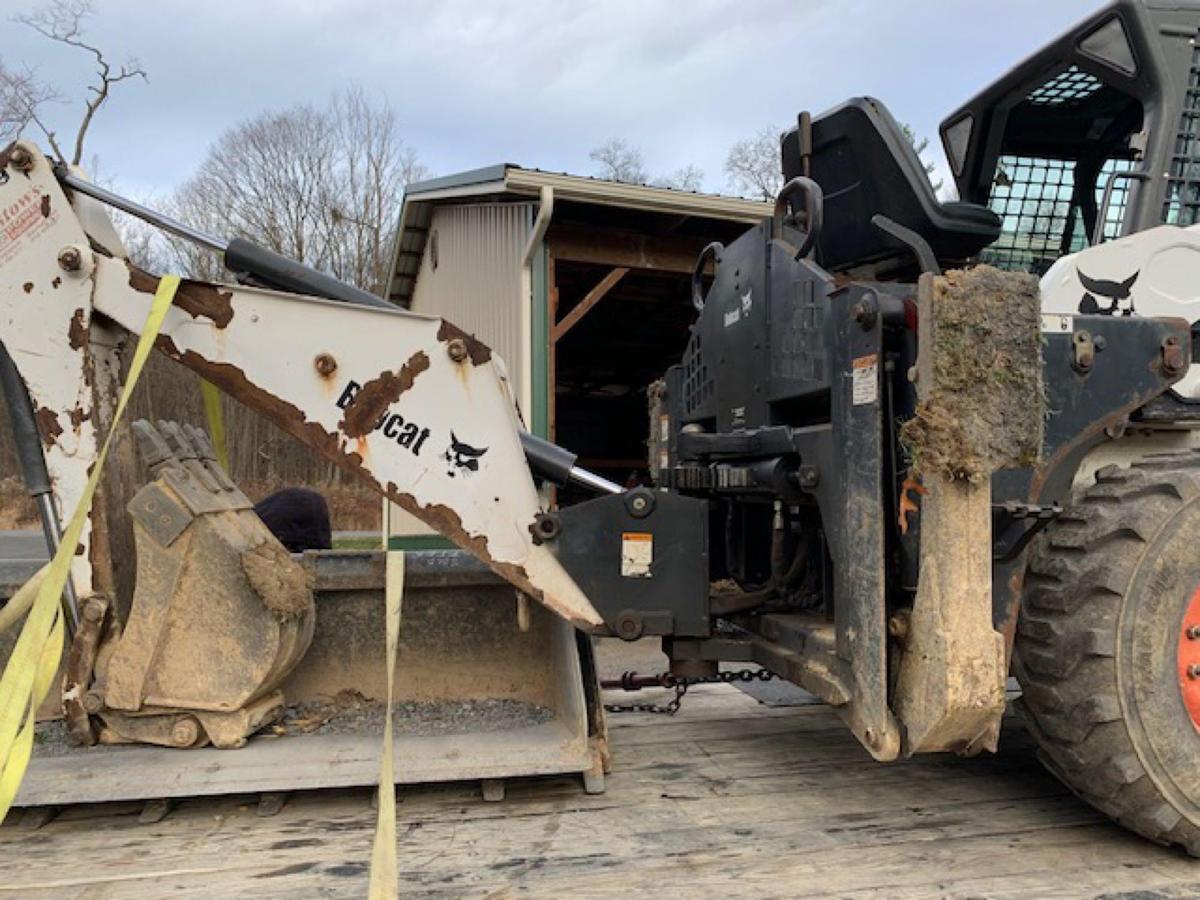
{"x": 1009, "y": 513}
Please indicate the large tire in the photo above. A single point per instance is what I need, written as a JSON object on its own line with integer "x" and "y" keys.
{"x": 1102, "y": 651}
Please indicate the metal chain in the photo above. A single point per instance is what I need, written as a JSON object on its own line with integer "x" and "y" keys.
{"x": 629, "y": 681}
{"x": 666, "y": 709}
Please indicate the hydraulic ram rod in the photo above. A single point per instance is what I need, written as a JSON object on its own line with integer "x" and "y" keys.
{"x": 33, "y": 469}
{"x": 271, "y": 269}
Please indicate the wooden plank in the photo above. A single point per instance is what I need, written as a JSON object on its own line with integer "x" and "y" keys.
{"x": 728, "y": 798}
{"x": 298, "y": 762}
{"x": 666, "y": 253}
{"x": 589, "y": 301}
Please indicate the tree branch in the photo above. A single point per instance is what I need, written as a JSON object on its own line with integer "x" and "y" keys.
{"x": 62, "y": 22}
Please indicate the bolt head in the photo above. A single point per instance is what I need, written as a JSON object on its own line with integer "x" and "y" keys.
{"x": 898, "y": 626}
{"x": 1193, "y": 633}
{"x": 93, "y": 611}
{"x": 1193, "y": 671}
{"x": 639, "y": 503}
{"x": 629, "y": 627}
{"x": 185, "y": 732}
{"x": 457, "y": 348}
{"x": 92, "y": 703}
{"x": 325, "y": 365}
{"x": 70, "y": 259}
{"x": 1173, "y": 361}
{"x": 21, "y": 159}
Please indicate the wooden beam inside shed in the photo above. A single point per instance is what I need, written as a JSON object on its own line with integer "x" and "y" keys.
{"x": 668, "y": 253}
{"x": 594, "y": 296}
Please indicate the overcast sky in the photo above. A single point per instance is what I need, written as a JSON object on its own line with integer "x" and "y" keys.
{"x": 534, "y": 82}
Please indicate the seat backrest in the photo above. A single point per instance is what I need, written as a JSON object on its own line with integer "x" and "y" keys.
{"x": 866, "y": 165}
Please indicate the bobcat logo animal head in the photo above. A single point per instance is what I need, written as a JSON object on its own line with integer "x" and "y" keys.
{"x": 1116, "y": 292}
{"x": 463, "y": 458}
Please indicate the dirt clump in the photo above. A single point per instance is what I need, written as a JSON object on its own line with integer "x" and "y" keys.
{"x": 981, "y": 398}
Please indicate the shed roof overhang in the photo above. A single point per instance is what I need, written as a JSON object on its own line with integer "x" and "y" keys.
{"x": 508, "y": 182}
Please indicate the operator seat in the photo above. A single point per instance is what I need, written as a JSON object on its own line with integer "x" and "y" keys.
{"x": 865, "y": 165}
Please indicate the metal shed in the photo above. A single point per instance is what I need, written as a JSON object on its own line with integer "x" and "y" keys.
{"x": 582, "y": 286}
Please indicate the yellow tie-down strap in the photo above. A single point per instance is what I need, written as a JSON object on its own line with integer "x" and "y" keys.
{"x": 384, "y": 882}
{"x": 31, "y": 669}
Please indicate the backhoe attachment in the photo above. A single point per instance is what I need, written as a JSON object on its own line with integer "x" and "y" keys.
{"x": 223, "y": 633}
{"x": 390, "y": 396}
{"x": 221, "y": 613}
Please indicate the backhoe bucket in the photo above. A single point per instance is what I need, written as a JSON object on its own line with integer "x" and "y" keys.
{"x": 221, "y": 613}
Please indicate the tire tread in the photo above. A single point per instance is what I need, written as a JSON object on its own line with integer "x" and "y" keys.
{"x": 1064, "y": 653}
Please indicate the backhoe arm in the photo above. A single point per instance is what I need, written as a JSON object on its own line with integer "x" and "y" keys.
{"x": 417, "y": 408}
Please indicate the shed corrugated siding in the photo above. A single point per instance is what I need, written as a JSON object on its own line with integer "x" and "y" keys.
{"x": 477, "y": 286}
{"x": 477, "y": 281}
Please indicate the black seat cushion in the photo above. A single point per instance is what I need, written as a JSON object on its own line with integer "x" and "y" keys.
{"x": 865, "y": 165}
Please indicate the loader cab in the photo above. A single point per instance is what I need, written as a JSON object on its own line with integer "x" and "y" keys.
{"x": 1093, "y": 137}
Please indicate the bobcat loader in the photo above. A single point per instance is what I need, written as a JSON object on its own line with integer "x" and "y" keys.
{"x": 871, "y": 463}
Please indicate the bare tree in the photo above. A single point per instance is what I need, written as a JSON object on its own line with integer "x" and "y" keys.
{"x": 319, "y": 185}
{"x": 689, "y": 178}
{"x": 23, "y": 98}
{"x": 919, "y": 145}
{"x": 620, "y": 161}
{"x": 753, "y": 165}
{"x": 755, "y": 168}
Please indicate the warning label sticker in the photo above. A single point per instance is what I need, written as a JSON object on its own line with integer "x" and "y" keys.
{"x": 865, "y": 379}
{"x": 637, "y": 553}
{"x": 22, "y": 220}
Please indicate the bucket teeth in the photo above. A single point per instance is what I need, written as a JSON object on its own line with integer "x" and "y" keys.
{"x": 177, "y": 440}
{"x": 208, "y": 456}
{"x": 151, "y": 445}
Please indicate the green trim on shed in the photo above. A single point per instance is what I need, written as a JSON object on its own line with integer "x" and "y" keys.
{"x": 540, "y": 364}
{"x": 419, "y": 542}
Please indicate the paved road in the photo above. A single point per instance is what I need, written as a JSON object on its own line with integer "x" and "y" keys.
{"x": 22, "y": 545}
{"x": 21, "y": 554}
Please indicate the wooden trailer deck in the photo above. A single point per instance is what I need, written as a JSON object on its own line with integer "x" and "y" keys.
{"x": 728, "y": 798}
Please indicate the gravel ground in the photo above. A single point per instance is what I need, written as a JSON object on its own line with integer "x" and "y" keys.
{"x": 50, "y": 739}
{"x": 351, "y": 713}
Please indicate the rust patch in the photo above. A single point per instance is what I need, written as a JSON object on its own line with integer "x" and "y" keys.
{"x": 45, "y": 206}
{"x": 195, "y": 298}
{"x": 287, "y": 416}
{"x": 374, "y": 398}
{"x": 28, "y": 287}
{"x": 48, "y": 427}
{"x": 77, "y": 333}
{"x": 78, "y": 417}
{"x": 478, "y": 351}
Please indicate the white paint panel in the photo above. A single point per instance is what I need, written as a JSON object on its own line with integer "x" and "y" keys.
{"x": 1159, "y": 265}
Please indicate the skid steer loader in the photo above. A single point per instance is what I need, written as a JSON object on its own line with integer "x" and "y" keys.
{"x": 867, "y": 463}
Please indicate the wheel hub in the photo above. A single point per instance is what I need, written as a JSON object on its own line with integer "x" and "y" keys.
{"x": 1189, "y": 658}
